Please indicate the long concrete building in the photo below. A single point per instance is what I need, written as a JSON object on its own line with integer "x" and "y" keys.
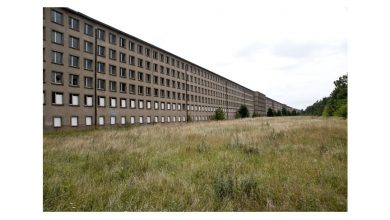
{"x": 95, "y": 74}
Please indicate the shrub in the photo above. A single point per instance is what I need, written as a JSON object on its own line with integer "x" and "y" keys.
{"x": 243, "y": 111}
{"x": 270, "y": 112}
{"x": 218, "y": 114}
{"x": 237, "y": 116}
{"x": 342, "y": 111}
{"x": 255, "y": 114}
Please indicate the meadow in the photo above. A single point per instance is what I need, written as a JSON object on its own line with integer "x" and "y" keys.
{"x": 255, "y": 164}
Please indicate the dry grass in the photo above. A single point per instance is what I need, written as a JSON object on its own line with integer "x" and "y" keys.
{"x": 261, "y": 164}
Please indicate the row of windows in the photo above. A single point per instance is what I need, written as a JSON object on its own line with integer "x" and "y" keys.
{"x": 58, "y": 17}
{"x": 74, "y": 120}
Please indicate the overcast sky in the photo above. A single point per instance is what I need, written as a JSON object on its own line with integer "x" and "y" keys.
{"x": 292, "y": 51}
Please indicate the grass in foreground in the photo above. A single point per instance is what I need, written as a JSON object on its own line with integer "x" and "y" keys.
{"x": 261, "y": 164}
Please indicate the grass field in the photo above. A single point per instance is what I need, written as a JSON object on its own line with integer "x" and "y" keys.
{"x": 260, "y": 164}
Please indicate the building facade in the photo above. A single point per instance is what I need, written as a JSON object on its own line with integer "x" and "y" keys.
{"x": 94, "y": 74}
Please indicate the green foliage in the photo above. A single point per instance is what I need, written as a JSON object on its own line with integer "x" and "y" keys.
{"x": 189, "y": 118}
{"x": 237, "y": 115}
{"x": 278, "y": 113}
{"x": 284, "y": 111}
{"x": 243, "y": 111}
{"x": 218, "y": 115}
{"x": 335, "y": 104}
{"x": 255, "y": 114}
{"x": 270, "y": 112}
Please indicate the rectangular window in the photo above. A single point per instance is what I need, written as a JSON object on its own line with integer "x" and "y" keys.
{"x": 141, "y": 119}
{"x": 57, "y": 17}
{"x": 140, "y": 104}
{"x": 88, "y": 120}
{"x": 148, "y": 119}
{"x": 162, "y": 119}
{"x": 73, "y": 80}
{"x": 74, "y": 42}
{"x": 101, "y": 84}
{"x": 101, "y": 101}
{"x": 56, "y": 77}
{"x": 57, "y": 98}
{"x": 148, "y": 91}
{"x": 73, "y": 99}
{"x": 112, "y": 70}
{"x": 101, "y": 51}
{"x": 131, "y": 74}
{"x": 101, "y": 120}
{"x": 57, "y": 37}
{"x": 112, "y": 86}
{"x": 140, "y": 90}
{"x": 57, "y": 122}
{"x": 88, "y": 29}
{"x": 131, "y": 88}
{"x": 73, "y": 61}
{"x": 178, "y": 118}
{"x": 88, "y": 64}
{"x": 131, "y": 46}
{"x": 168, "y": 119}
{"x": 178, "y": 107}
{"x": 132, "y": 103}
{"x": 113, "y": 102}
{"x": 173, "y": 106}
{"x": 101, "y": 67}
{"x": 140, "y": 49}
{"x": 148, "y": 104}
{"x": 162, "y": 105}
{"x": 101, "y": 34}
{"x": 73, "y": 23}
{"x": 155, "y": 105}
{"x": 88, "y": 82}
{"x": 123, "y": 120}
{"x": 74, "y": 121}
{"x": 122, "y": 57}
{"x": 122, "y": 72}
{"x": 140, "y": 76}
{"x": 131, "y": 60}
{"x": 122, "y": 42}
{"x": 123, "y": 103}
{"x": 132, "y": 120}
{"x": 147, "y": 52}
{"x": 155, "y": 79}
{"x": 122, "y": 87}
{"x": 156, "y": 92}
{"x": 147, "y": 65}
{"x": 168, "y": 106}
{"x": 112, "y": 54}
{"x": 56, "y": 57}
{"x": 88, "y": 100}
{"x": 112, "y": 38}
{"x": 140, "y": 63}
{"x": 88, "y": 47}
{"x": 155, "y": 119}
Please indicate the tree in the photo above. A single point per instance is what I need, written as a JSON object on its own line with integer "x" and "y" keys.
{"x": 243, "y": 111}
{"x": 284, "y": 111}
{"x": 270, "y": 112}
{"x": 218, "y": 114}
{"x": 294, "y": 112}
{"x": 278, "y": 113}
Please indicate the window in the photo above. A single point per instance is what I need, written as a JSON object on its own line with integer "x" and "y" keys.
{"x": 178, "y": 107}
{"x": 162, "y": 119}
{"x": 74, "y": 121}
{"x": 148, "y": 91}
{"x": 122, "y": 42}
{"x": 73, "y": 99}
{"x": 140, "y": 49}
{"x": 148, "y": 119}
{"x": 123, "y": 120}
{"x": 132, "y": 120}
{"x": 140, "y": 90}
{"x": 131, "y": 46}
{"x": 168, "y": 106}
{"x": 101, "y": 84}
{"x": 73, "y": 23}
{"x": 147, "y": 65}
{"x": 140, "y": 63}
{"x": 57, "y": 17}
{"x": 155, "y": 119}
{"x": 73, "y": 80}
{"x": 101, "y": 67}
{"x": 123, "y": 103}
{"x": 155, "y": 55}
{"x": 147, "y": 52}
{"x": 88, "y": 100}
{"x": 155, "y": 67}
{"x": 162, "y": 105}
{"x": 131, "y": 88}
{"x": 162, "y": 80}
{"x": 57, "y": 37}
{"x": 122, "y": 87}
{"x": 112, "y": 86}
{"x": 155, "y": 79}
{"x": 173, "y": 106}
{"x": 112, "y": 70}
{"x": 132, "y": 103}
{"x": 155, "y": 105}
{"x": 178, "y": 118}
{"x": 112, "y": 54}
{"x": 113, "y": 102}
{"x": 57, "y": 98}
{"x": 101, "y": 51}
{"x": 56, "y": 57}
{"x": 122, "y": 72}
{"x": 131, "y": 60}
{"x": 88, "y": 29}
{"x": 168, "y": 119}
{"x": 141, "y": 119}
{"x": 101, "y": 101}
{"x": 148, "y": 104}
{"x": 156, "y": 92}
{"x": 101, "y": 35}
{"x": 88, "y": 120}
{"x": 73, "y": 61}
{"x": 88, "y": 47}
{"x": 74, "y": 42}
{"x": 122, "y": 57}
{"x": 162, "y": 93}
{"x": 174, "y": 119}
{"x": 101, "y": 120}
{"x": 131, "y": 74}
{"x": 162, "y": 57}
{"x": 57, "y": 121}
{"x": 56, "y": 77}
{"x": 88, "y": 64}
{"x": 112, "y": 38}
{"x": 140, "y": 76}
{"x": 140, "y": 104}
{"x": 88, "y": 82}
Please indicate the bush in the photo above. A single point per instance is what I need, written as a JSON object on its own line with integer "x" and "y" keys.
{"x": 255, "y": 114}
{"x": 243, "y": 111}
{"x": 237, "y": 116}
{"x": 218, "y": 115}
{"x": 270, "y": 112}
{"x": 342, "y": 111}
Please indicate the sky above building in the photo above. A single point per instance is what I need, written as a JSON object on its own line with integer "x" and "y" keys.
{"x": 292, "y": 51}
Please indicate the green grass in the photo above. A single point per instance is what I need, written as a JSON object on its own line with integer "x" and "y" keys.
{"x": 260, "y": 164}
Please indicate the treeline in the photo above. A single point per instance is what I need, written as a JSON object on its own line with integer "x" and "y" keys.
{"x": 334, "y": 105}
{"x": 283, "y": 112}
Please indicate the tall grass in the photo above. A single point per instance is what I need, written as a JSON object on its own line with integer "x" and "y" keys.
{"x": 260, "y": 164}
